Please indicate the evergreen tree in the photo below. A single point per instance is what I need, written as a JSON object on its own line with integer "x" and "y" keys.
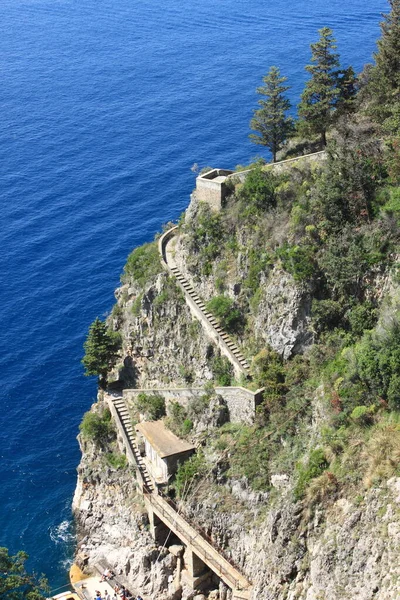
{"x": 321, "y": 94}
{"x": 101, "y": 348}
{"x": 15, "y": 582}
{"x": 384, "y": 77}
{"x": 348, "y": 88}
{"x": 270, "y": 121}
{"x": 387, "y": 59}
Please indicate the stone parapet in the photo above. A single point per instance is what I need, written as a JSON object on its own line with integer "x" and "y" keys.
{"x": 241, "y": 402}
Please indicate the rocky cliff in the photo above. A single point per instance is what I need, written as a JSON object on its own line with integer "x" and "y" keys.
{"x": 306, "y": 501}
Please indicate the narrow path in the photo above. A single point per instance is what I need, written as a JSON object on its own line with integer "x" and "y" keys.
{"x": 198, "y": 308}
{"x": 168, "y": 512}
{"x": 124, "y": 424}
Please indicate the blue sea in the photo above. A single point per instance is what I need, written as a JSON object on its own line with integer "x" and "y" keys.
{"x": 105, "y": 106}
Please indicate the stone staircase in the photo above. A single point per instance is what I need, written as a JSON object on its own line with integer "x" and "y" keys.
{"x": 189, "y": 533}
{"x": 126, "y": 424}
{"x": 190, "y": 291}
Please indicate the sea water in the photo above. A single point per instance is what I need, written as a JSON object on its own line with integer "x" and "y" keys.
{"x": 105, "y": 105}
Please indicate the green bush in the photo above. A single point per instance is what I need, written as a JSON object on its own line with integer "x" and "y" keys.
{"x": 137, "y": 305}
{"x": 116, "y": 460}
{"x": 269, "y": 373}
{"x": 258, "y": 263}
{"x": 97, "y": 427}
{"x": 362, "y": 317}
{"x": 153, "y": 405}
{"x": 223, "y": 308}
{"x": 178, "y": 420}
{"x": 363, "y": 415}
{"x": 257, "y": 193}
{"x": 377, "y": 358}
{"x": 187, "y": 426}
{"x": 314, "y": 467}
{"x": 326, "y": 314}
{"x": 142, "y": 264}
{"x": 222, "y": 370}
{"x": 299, "y": 261}
{"x": 249, "y": 457}
{"x": 188, "y": 473}
{"x": 206, "y": 236}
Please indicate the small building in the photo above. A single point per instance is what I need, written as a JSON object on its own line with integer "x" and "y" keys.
{"x": 211, "y": 188}
{"x": 161, "y": 449}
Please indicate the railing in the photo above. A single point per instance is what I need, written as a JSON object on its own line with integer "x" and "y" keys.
{"x": 200, "y": 530}
{"x": 208, "y": 558}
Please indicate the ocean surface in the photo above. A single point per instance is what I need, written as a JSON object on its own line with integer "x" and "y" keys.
{"x": 105, "y": 105}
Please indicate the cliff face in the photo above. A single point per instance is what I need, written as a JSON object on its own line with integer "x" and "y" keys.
{"x": 112, "y": 523}
{"x": 307, "y": 501}
{"x": 346, "y": 550}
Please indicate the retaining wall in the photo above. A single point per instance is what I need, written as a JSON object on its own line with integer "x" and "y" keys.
{"x": 281, "y": 166}
{"x": 241, "y": 403}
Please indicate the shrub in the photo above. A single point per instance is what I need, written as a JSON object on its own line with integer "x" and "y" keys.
{"x": 205, "y": 237}
{"x": 97, "y": 427}
{"x": 178, "y": 420}
{"x": 249, "y": 457}
{"x": 222, "y": 370}
{"x": 320, "y": 488}
{"x": 297, "y": 260}
{"x": 377, "y": 358}
{"x": 363, "y": 415}
{"x": 326, "y": 314}
{"x": 314, "y": 467}
{"x": 137, "y": 305}
{"x": 188, "y": 473}
{"x": 362, "y": 317}
{"x": 187, "y": 426}
{"x": 116, "y": 460}
{"x": 383, "y": 453}
{"x": 153, "y": 405}
{"x": 257, "y": 192}
{"x": 142, "y": 264}
{"x": 223, "y": 309}
{"x": 269, "y": 372}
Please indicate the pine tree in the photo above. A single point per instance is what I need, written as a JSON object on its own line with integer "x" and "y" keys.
{"x": 101, "y": 348}
{"x": 348, "y": 89}
{"x": 387, "y": 59}
{"x": 15, "y": 582}
{"x": 384, "y": 76}
{"x": 270, "y": 121}
{"x": 321, "y": 94}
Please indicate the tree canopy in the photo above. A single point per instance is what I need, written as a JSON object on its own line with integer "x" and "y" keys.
{"x": 15, "y": 582}
{"x": 270, "y": 121}
{"x": 321, "y": 92}
{"x": 101, "y": 349}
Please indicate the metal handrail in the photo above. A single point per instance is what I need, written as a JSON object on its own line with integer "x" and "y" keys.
{"x": 219, "y": 568}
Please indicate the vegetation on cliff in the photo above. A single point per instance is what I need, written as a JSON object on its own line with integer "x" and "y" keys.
{"x": 330, "y": 229}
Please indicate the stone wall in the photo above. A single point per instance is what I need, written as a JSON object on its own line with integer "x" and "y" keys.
{"x": 281, "y": 166}
{"x": 241, "y": 403}
{"x": 210, "y": 188}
